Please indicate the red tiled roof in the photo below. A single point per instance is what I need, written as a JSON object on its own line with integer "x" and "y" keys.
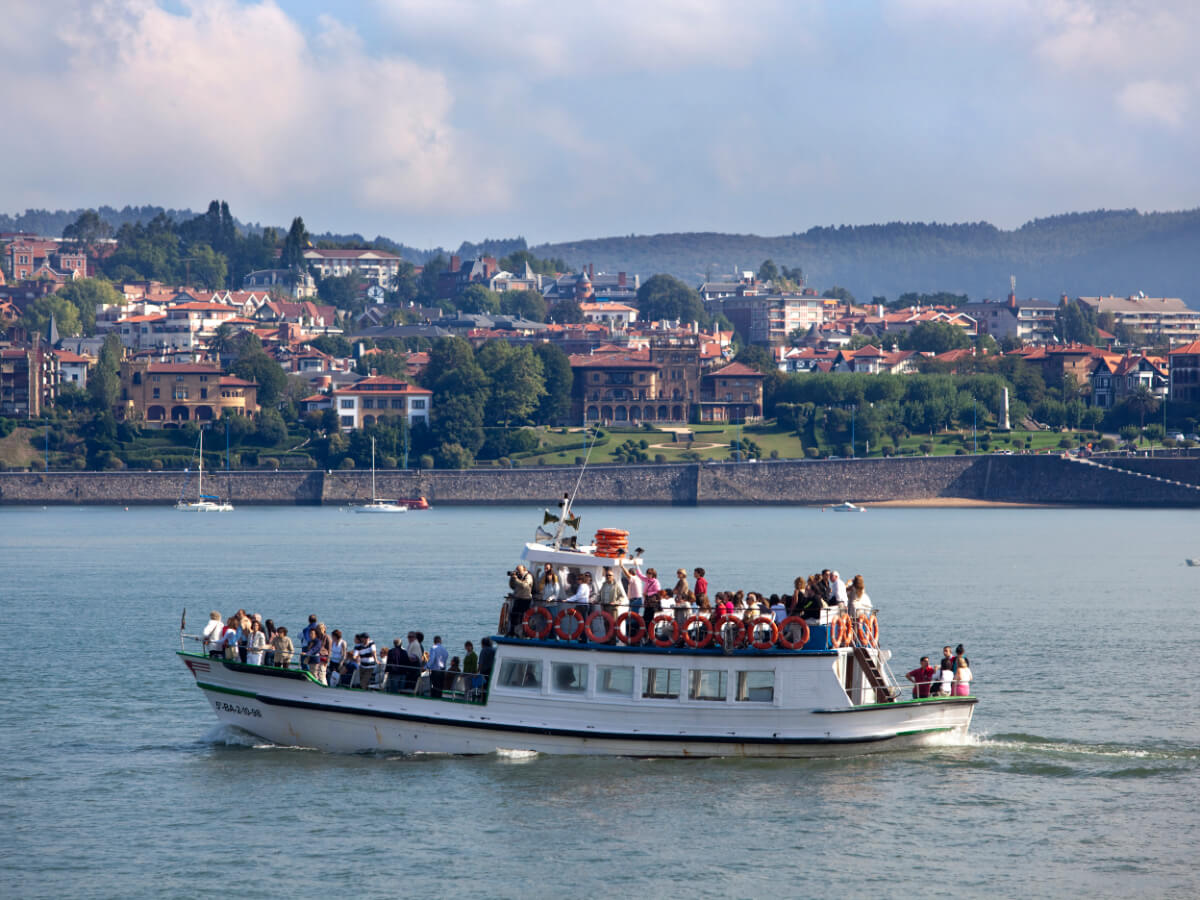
{"x": 737, "y": 370}
{"x": 234, "y": 381}
{"x": 1189, "y": 349}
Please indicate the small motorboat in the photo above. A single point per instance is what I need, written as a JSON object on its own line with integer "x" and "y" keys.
{"x": 847, "y": 506}
{"x": 1192, "y": 562}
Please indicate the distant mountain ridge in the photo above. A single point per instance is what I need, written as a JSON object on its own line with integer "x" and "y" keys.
{"x": 1088, "y": 253}
{"x": 1101, "y": 252}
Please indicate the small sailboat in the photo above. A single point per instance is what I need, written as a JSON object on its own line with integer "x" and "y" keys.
{"x": 379, "y": 504}
{"x": 204, "y": 502}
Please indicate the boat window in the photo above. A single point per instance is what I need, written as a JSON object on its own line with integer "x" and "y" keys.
{"x": 569, "y": 677}
{"x": 707, "y": 684}
{"x": 661, "y": 683}
{"x": 757, "y": 687}
{"x": 521, "y": 673}
{"x": 614, "y": 680}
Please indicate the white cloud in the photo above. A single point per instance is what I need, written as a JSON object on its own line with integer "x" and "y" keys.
{"x": 229, "y": 100}
{"x": 1154, "y": 101}
{"x": 596, "y": 36}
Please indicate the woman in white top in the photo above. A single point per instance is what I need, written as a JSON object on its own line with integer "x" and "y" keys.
{"x": 256, "y": 644}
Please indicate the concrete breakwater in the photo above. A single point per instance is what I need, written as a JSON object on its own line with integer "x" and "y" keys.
{"x": 1010, "y": 479}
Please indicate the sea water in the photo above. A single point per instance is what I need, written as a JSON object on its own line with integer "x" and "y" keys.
{"x": 1080, "y": 778}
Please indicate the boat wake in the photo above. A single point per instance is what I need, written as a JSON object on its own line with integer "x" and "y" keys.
{"x": 1019, "y": 741}
{"x": 230, "y": 736}
{"x": 516, "y": 756}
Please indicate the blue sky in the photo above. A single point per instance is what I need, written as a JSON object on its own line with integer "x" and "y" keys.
{"x": 435, "y": 122}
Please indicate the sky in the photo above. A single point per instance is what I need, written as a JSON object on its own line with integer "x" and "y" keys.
{"x": 438, "y": 121}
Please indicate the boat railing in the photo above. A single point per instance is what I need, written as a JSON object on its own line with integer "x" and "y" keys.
{"x": 467, "y": 687}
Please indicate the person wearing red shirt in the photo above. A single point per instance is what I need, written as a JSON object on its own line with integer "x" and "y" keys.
{"x": 701, "y": 583}
{"x": 922, "y": 678}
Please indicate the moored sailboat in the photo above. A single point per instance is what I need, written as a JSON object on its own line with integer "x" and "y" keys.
{"x": 203, "y": 502}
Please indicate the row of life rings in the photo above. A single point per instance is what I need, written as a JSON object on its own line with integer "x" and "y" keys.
{"x": 611, "y": 542}
{"x": 698, "y": 631}
{"x": 865, "y": 628}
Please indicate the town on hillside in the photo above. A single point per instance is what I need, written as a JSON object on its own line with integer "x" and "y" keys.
{"x": 118, "y": 345}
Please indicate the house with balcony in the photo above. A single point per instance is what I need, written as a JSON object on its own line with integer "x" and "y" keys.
{"x": 169, "y": 394}
{"x": 1164, "y": 320}
{"x": 660, "y": 383}
{"x": 377, "y": 398}
{"x": 372, "y": 266}
{"x": 733, "y": 393}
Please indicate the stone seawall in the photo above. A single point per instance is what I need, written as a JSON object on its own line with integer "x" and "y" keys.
{"x": 1011, "y": 479}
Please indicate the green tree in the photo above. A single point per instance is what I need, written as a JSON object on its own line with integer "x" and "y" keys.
{"x": 839, "y": 293}
{"x": 87, "y": 231}
{"x": 271, "y": 431}
{"x": 1142, "y": 402}
{"x": 429, "y": 282}
{"x": 205, "y": 266}
{"x": 104, "y": 381}
{"x": 453, "y": 373}
{"x": 36, "y": 318}
{"x": 294, "y": 245}
{"x": 516, "y": 379}
{"x": 453, "y": 456}
{"x": 768, "y": 271}
{"x": 757, "y": 358}
{"x": 477, "y": 299}
{"x": 333, "y": 344}
{"x": 555, "y": 404}
{"x": 666, "y": 297}
{"x": 458, "y": 421}
{"x": 1075, "y": 323}
{"x": 566, "y": 312}
{"x": 88, "y": 293}
{"x": 346, "y": 292}
{"x": 526, "y": 304}
{"x": 935, "y": 337}
{"x": 404, "y": 284}
{"x": 255, "y": 365}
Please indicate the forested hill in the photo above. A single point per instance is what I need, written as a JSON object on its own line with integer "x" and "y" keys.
{"x": 1103, "y": 252}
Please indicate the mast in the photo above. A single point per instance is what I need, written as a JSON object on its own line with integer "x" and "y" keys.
{"x": 201, "y": 488}
{"x": 373, "y": 496}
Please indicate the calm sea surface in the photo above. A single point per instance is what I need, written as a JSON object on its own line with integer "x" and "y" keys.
{"x": 1081, "y": 778}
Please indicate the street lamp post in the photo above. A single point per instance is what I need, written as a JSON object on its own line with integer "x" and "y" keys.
{"x": 975, "y": 425}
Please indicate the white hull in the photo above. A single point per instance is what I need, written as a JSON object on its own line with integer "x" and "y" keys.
{"x": 295, "y": 711}
{"x": 205, "y": 506}
{"x": 380, "y": 507}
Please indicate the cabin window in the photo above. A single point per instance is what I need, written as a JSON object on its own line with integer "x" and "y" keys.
{"x": 707, "y": 684}
{"x": 661, "y": 683}
{"x": 570, "y": 677}
{"x": 521, "y": 673}
{"x": 756, "y": 687}
{"x": 617, "y": 680}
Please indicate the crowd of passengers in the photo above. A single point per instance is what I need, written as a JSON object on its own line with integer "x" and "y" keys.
{"x": 405, "y": 667}
{"x": 625, "y": 587}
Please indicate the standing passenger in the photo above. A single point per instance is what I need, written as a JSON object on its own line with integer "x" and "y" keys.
{"x": 210, "y": 638}
{"x": 364, "y": 652}
{"x": 922, "y": 678}
{"x": 396, "y": 663}
{"x": 283, "y": 647}
{"x": 256, "y": 644}
{"x": 439, "y": 658}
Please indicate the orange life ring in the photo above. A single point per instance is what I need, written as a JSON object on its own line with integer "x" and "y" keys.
{"x": 612, "y": 532}
{"x": 719, "y": 630}
{"x": 766, "y": 643}
{"x": 558, "y": 623}
{"x": 867, "y": 630}
{"x": 610, "y": 626}
{"x": 785, "y": 641}
{"x": 539, "y": 633}
{"x": 636, "y": 637}
{"x": 843, "y": 631}
{"x": 667, "y": 619}
{"x": 707, "y": 631}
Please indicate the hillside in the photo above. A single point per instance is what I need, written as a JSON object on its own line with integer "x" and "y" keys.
{"x": 1102, "y": 252}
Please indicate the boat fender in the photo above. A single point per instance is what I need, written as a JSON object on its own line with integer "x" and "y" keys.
{"x": 542, "y": 631}
{"x": 706, "y": 631}
{"x": 765, "y": 643}
{"x": 664, "y": 619}
{"x": 502, "y": 628}
{"x": 785, "y": 631}
{"x": 636, "y": 637}
{"x": 610, "y": 626}
{"x": 573, "y": 613}
{"x": 724, "y": 623}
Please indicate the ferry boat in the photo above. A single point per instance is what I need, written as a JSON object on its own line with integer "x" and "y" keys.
{"x": 571, "y": 684}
